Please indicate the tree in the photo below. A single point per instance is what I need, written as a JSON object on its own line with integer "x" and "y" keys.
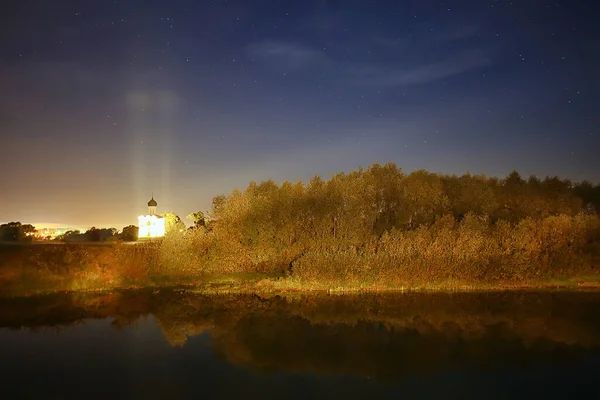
{"x": 100, "y": 235}
{"x": 26, "y": 231}
{"x": 388, "y": 182}
{"x": 198, "y": 219}
{"x": 93, "y": 234}
{"x": 172, "y": 222}
{"x": 130, "y": 233}
{"x": 15, "y": 231}
{"x": 72, "y": 236}
{"x": 589, "y": 195}
{"x": 424, "y": 198}
{"x": 513, "y": 181}
{"x": 471, "y": 193}
{"x": 218, "y": 204}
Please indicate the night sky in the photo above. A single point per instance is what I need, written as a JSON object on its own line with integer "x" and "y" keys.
{"x": 103, "y": 103}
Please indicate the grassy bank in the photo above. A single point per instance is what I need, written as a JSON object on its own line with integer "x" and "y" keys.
{"x": 37, "y": 269}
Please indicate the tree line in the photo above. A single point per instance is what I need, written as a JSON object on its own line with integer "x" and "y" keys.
{"x": 377, "y": 226}
{"x": 380, "y": 223}
{"x": 18, "y": 232}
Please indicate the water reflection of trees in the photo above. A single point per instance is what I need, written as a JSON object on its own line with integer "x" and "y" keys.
{"x": 383, "y": 336}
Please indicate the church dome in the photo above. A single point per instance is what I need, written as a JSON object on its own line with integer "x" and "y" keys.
{"x": 152, "y": 202}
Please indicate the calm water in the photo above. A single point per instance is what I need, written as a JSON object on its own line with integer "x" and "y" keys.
{"x": 182, "y": 345}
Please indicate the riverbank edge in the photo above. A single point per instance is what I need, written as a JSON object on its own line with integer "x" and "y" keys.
{"x": 287, "y": 286}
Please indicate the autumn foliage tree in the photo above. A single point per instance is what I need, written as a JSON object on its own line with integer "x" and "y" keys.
{"x": 172, "y": 222}
{"x": 197, "y": 218}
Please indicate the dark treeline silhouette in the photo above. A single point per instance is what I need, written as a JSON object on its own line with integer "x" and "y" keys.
{"x": 130, "y": 233}
{"x": 16, "y": 232}
{"x": 91, "y": 235}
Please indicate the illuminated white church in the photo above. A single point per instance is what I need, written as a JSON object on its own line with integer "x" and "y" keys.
{"x": 151, "y": 225}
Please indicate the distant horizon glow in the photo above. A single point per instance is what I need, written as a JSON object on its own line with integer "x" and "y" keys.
{"x": 135, "y": 219}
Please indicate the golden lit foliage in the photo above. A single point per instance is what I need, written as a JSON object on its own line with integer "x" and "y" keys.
{"x": 381, "y": 225}
{"x": 374, "y": 227}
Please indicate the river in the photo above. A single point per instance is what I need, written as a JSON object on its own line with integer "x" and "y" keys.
{"x": 177, "y": 344}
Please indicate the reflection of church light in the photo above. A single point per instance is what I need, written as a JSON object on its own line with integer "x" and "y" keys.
{"x": 151, "y": 225}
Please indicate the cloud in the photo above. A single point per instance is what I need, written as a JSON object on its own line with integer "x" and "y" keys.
{"x": 368, "y": 75}
{"x": 286, "y": 55}
{"x": 289, "y": 56}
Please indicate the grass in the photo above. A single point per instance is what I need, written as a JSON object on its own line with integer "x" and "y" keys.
{"x": 265, "y": 284}
{"x": 32, "y": 270}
